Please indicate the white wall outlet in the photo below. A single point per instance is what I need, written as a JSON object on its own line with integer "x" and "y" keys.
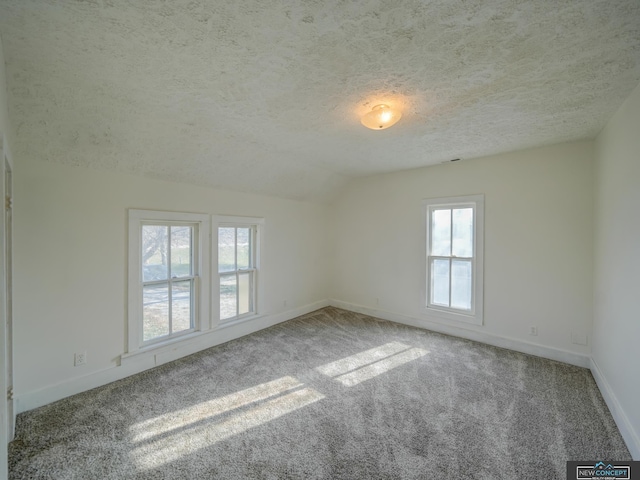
{"x": 377, "y": 301}
{"x": 533, "y": 330}
{"x": 284, "y": 303}
{"x": 80, "y": 358}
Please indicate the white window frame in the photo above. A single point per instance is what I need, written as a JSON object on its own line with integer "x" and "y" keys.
{"x": 257, "y": 225}
{"x": 476, "y": 315}
{"x": 201, "y": 273}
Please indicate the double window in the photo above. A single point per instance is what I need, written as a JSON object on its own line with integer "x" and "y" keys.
{"x": 170, "y": 256}
{"x": 454, "y": 259}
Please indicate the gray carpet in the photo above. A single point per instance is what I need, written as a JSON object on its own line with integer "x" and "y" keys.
{"x": 330, "y": 395}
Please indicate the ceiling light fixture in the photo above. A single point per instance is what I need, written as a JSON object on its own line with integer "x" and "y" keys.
{"x": 381, "y": 117}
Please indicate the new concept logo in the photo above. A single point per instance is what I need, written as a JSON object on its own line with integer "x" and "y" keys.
{"x": 598, "y": 470}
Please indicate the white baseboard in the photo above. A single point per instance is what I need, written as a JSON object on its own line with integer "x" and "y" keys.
{"x": 139, "y": 363}
{"x": 631, "y": 437}
{"x": 551, "y": 353}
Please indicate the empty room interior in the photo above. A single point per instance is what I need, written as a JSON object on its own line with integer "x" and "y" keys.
{"x": 319, "y": 239}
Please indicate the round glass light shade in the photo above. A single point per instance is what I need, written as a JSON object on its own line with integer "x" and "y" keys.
{"x": 381, "y": 117}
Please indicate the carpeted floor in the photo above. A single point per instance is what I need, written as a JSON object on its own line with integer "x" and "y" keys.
{"x": 330, "y": 395}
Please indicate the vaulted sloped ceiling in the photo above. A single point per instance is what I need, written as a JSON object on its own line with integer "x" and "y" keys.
{"x": 266, "y": 96}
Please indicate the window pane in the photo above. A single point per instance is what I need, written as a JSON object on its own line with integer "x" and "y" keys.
{"x": 155, "y": 311}
{"x": 154, "y": 252}
{"x": 441, "y": 233}
{"x": 244, "y": 247}
{"x": 227, "y": 296}
{"x": 440, "y": 282}
{"x": 462, "y": 232}
{"x": 244, "y": 293}
{"x": 181, "y": 251}
{"x": 181, "y": 306}
{"x": 461, "y": 284}
{"x": 226, "y": 249}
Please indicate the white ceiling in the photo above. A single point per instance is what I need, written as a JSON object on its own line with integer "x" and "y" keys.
{"x": 265, "y": 96}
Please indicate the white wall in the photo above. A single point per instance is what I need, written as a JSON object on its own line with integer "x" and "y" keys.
{"x": 70, "y": 267}
{"x": 538, "y": 246}
{"x": 616, "y": 349}
{"x": 5, "y": 141}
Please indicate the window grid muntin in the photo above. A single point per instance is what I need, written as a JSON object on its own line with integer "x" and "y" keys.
{"x": 430, "y": 258}
{"x": 252, "y": 270}
{"x": 192, "y": 278}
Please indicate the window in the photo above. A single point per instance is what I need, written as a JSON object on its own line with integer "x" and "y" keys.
{"x": 238, "y": 242}
{"x": 454, "y": 257}
{"x": 167, "y": 266}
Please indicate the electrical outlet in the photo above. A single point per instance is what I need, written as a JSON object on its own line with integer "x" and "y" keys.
{"x": 284, "y": 303}
{"x": 80, "y": 359}
{"x": 377, "y": 302}
{"x": 533, "y": 330}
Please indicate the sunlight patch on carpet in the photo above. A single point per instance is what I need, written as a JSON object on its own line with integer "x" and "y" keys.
{"x": 207, "y": 410}
{"x": 174, "y": 438}
{"x": 365, "y": 365}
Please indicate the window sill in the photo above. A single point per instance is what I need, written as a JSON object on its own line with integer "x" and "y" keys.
{"x": 182, "y": 342}
{"x": 454, "y": 316}
{"x": 235, "y": 321}
{"x": 160, "y": 346}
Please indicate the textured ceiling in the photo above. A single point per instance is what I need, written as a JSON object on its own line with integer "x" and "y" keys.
{"x": 265, "y": 96}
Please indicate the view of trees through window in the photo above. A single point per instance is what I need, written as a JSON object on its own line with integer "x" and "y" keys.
{"x": 167, "y": 276}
